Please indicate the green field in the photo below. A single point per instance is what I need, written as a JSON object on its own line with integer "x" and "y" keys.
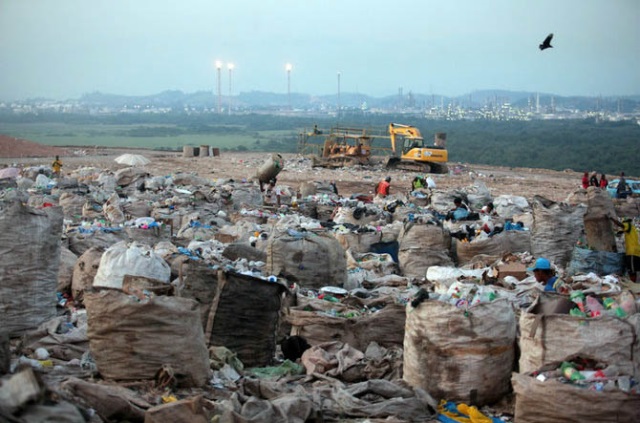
{"x": 158, "y": 137}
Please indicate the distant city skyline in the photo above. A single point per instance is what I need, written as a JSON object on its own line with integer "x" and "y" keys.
{"x": 68, "y": 48}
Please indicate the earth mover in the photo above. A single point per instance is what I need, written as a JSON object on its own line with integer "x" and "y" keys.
{"x": 340, "y": 147}
{"x": 411, "y": 154}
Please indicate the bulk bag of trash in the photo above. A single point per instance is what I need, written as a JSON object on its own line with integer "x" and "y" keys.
{"x": 244, "y": 317}
{"x": 508, "y": 206}
{"x": 602, "y": 263}
{"x": 554, "y": 401}
{"x": 556, "y": 228}
{"x": 132, "y": 338}
{"x": 311, "y": 259}
{"x": 318, "y": 324}
{"x": 422, "y": 246}
{"x": 494, "y": 247}
{"x": 548, "y": 334}
{"x": 130, "y": 259}
{"x": 29, "y": 265}
{"x": 358, "y": 242}
{"x": 460, "y": 354}
{"x": 80, "y": 242}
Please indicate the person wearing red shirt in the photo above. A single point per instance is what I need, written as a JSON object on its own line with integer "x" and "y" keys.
{"x": 382, "y": 189}
{"x": 603, "y": 181}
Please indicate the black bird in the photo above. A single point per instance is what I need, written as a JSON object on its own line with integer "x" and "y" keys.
{"x": 547, "y": 42}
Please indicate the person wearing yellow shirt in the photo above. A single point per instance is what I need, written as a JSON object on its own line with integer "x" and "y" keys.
{"x": 631, "y": 247}
{"x": 56, "y": 166}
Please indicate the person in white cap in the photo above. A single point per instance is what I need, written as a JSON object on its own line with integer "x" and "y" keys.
{"x": 546, "y": 275}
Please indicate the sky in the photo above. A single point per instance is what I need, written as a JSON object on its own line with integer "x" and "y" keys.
{"x": 62, "y": 49}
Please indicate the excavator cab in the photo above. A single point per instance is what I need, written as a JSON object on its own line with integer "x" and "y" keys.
{"x": 413, "y": 154}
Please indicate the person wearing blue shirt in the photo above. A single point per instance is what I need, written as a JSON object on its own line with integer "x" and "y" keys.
{"x": 544, "y": 274}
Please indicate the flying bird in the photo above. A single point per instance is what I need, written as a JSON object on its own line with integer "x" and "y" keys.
{"x": 547, "y": 42}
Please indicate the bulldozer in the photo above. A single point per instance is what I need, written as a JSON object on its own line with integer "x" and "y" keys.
{"x": 340, "y": 147}
{"x": 410, "y": 152}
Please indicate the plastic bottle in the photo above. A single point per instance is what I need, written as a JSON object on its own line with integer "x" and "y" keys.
{"x": 624, "y": 383}
{"x": 612, "y": 305}
{"x": 578, "y": 298}
{"x": 570, "y": 372}
{"x": 594, "y": 308}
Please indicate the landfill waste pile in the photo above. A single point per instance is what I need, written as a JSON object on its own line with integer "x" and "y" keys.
{"x": 142, "y": 297}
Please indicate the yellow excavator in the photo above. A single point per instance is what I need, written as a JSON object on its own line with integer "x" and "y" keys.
{"x": 410, "y": 153}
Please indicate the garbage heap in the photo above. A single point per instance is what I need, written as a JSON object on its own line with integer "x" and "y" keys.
{"x": 178, "y": 298}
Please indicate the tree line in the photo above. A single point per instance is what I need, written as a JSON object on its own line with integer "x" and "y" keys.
{"x": 579, "y": 145}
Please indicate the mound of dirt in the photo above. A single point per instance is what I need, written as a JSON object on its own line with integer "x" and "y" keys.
{"x": 11, "y": 147}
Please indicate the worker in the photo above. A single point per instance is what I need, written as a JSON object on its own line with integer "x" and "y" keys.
{"x": 545, "y": 274}
{"x": 269, "y": 184}
{"x": 631, "y": 247}
{"x": 382, "y": 189}
{"x": 418, "y": 183}
{"x": 622, "y": 190}
{"x": 272, "y": 193}
{"x": 56, "y": 166}
{"x": 489, "y": 210}
{"x": 459, "y": 211}
{"x": 585, "y": 180}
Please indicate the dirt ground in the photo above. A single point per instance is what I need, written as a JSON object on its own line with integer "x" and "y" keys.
{"x": 524, "y": 182}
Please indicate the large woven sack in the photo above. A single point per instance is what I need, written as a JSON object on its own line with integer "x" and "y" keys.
{"x": 244, "y": 317}
{"x": 458, "y": 354}
{"x": 65, "y": 273}
{"x": 553, "y": 401}
{"x": 84, "y": 271}
{"x": 478, "y": 195}
{"x": 312, "y": 259}
{"x": 422, "y": 246}
{"x": 358, "y": 242}
{"x": 197, "y": 281}
{"x": 509, "y": 206}
{"x": 601, "y": 263}
{"x": 597, "y": 225}
{"x": 495, "y": 247}
{"x": 386, "y": 326}
{"x": 112, "y": 210}
{"x": 547, "y": 338}
{"x": 72, "y": 205}
{"x": 130, "y": 259}
{"x": 129, "y": 175}
{"x": 29, "y": 265}
{"x": 79, "y": 243}
{"x": 132, "y": 339}
{"x": 556, "y": 228}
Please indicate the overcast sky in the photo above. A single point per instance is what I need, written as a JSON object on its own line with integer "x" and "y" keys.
{"x": 64, "y": 48}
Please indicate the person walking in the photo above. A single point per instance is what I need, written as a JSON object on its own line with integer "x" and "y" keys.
{"x": 631, "y": 246}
